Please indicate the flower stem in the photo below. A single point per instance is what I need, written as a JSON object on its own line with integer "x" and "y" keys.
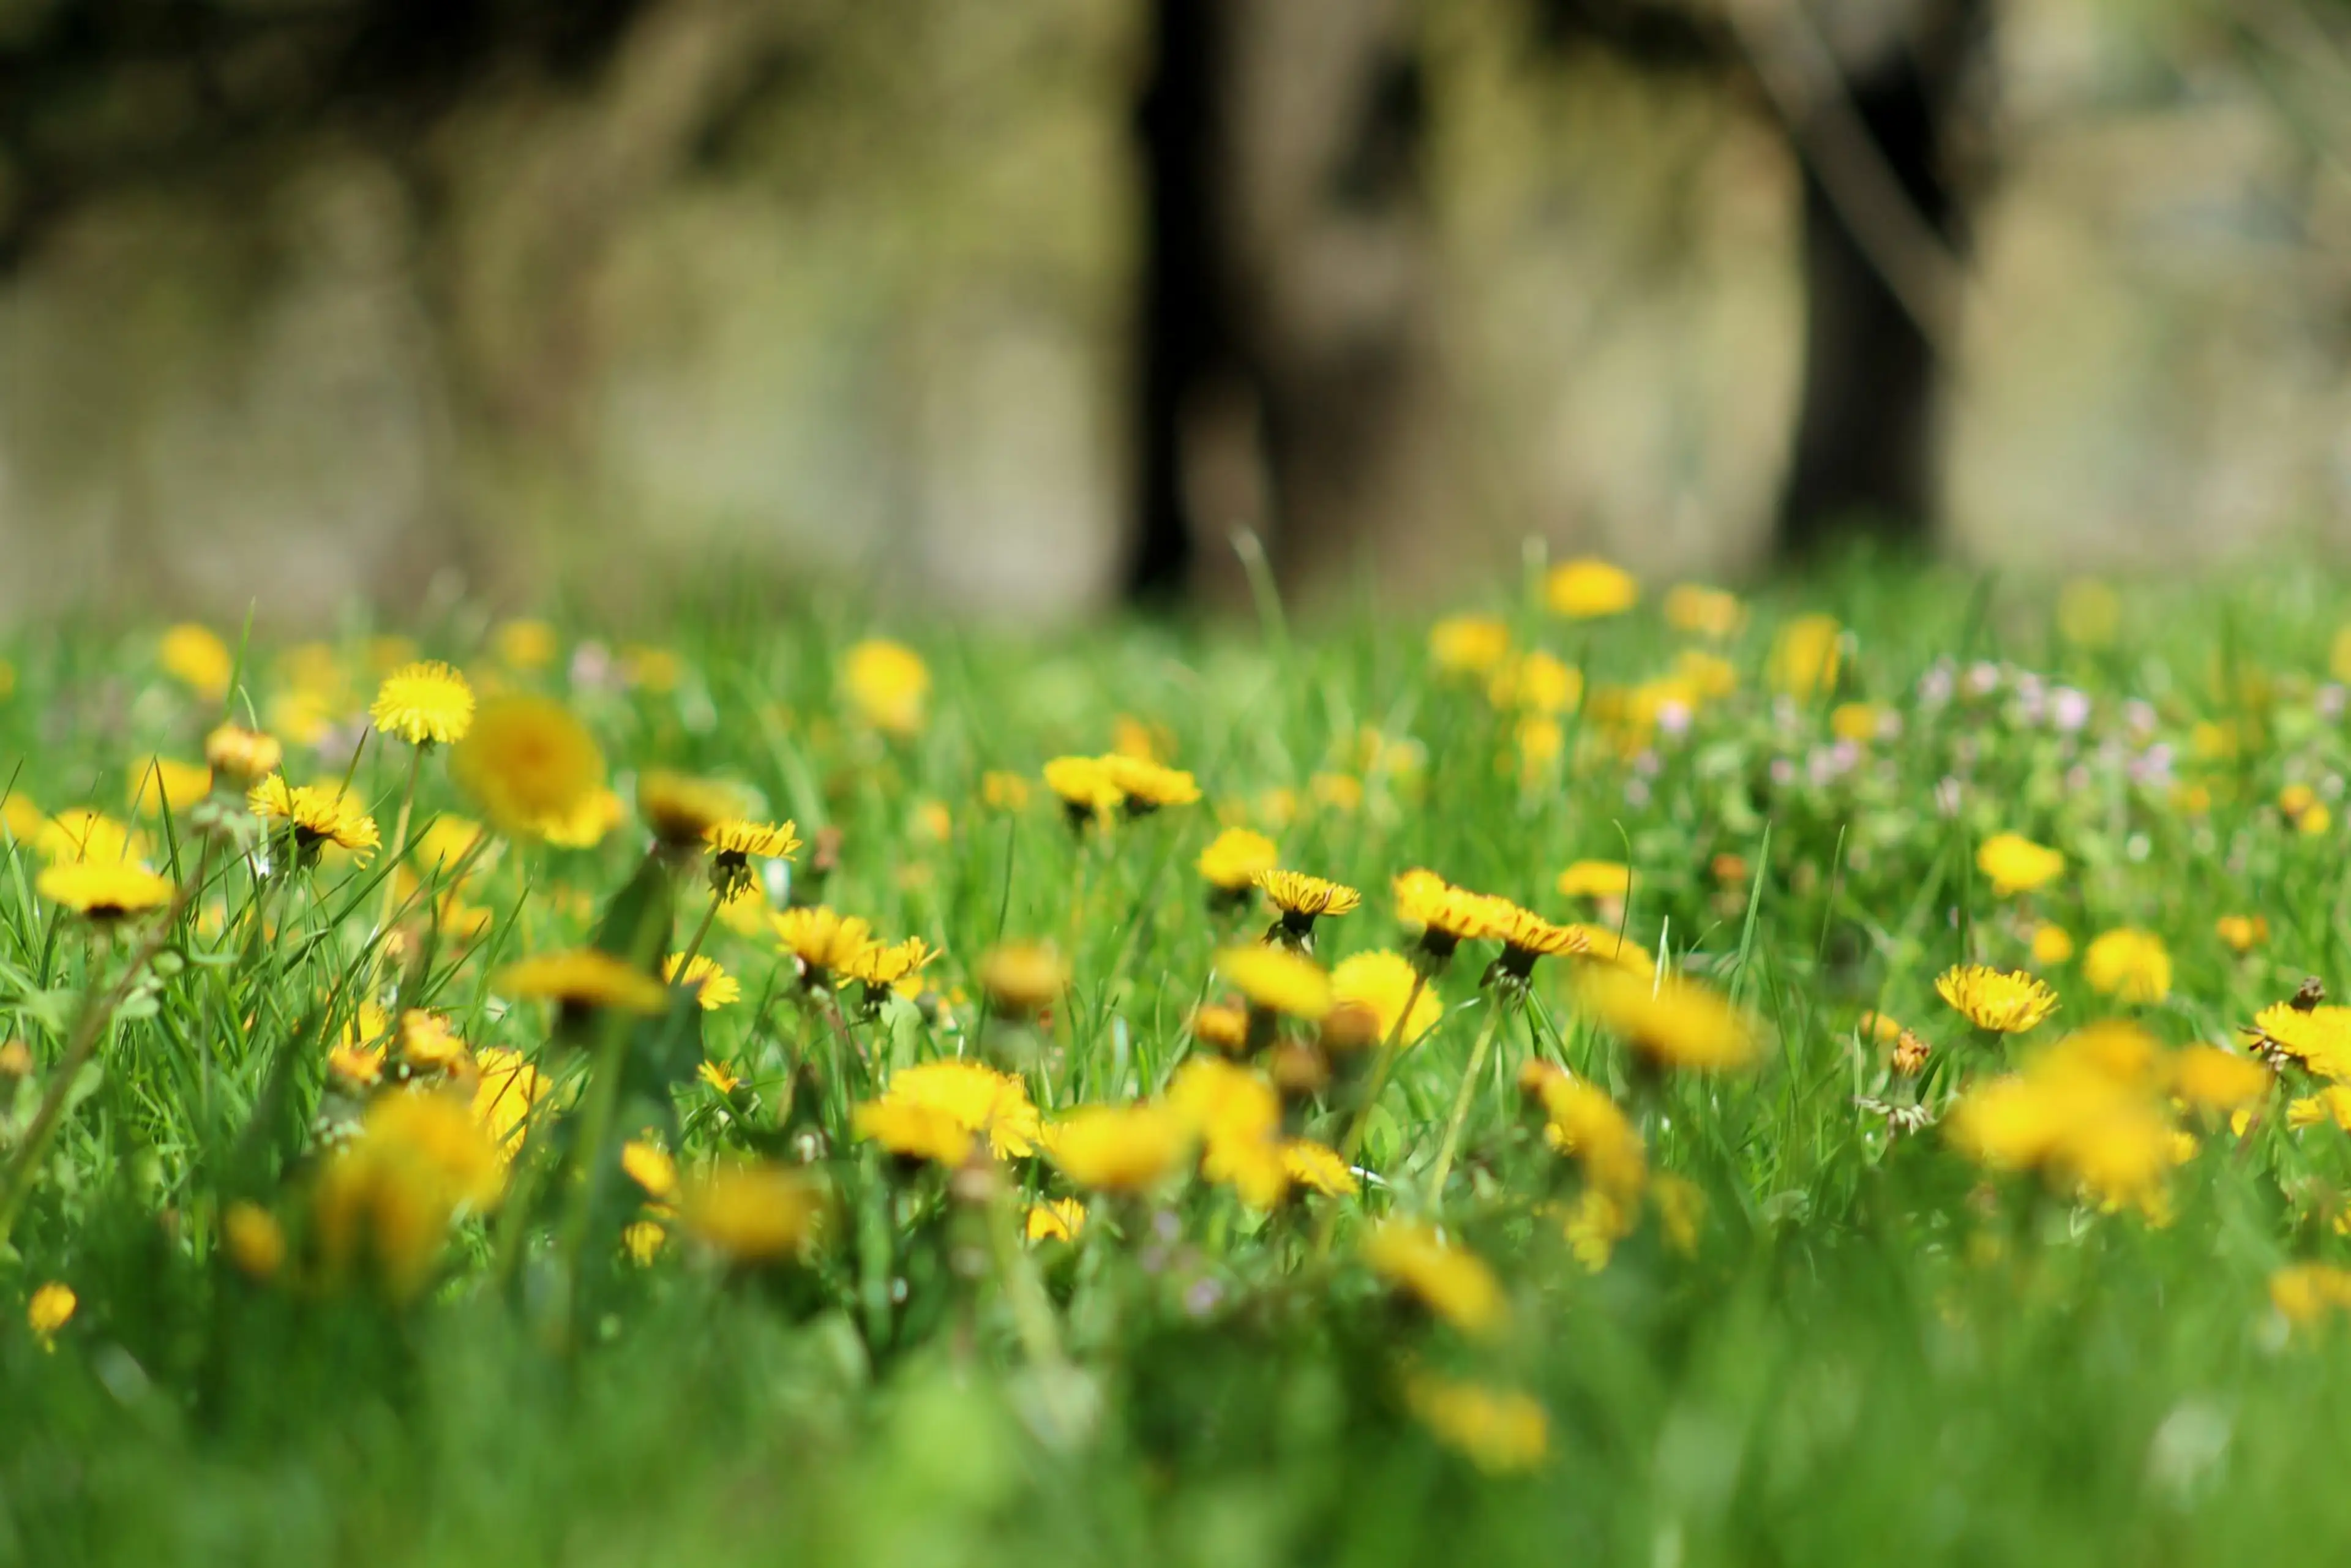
{"x": 1468, "y": 1091}
{"x": 399, "y": 846}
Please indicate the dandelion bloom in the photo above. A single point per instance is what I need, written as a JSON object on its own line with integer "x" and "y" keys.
{"x": 1673, "y": 1021}
{"x": 1526, "y": 936}
{"x": 890, "y": 966}
{"x": 1583, "y": 1121}
{"x": 2318, "y": 1036}
{"x": 50, "y": 1309}
{"x": 682, "y": 810}
{"x": 427, "y": 1042}
{"x": 1499, "y": 1431}
{"x": 1378, "y": 984}
{"x": 2016, "y": 865}
{"x": 507, "y": 1088}
{"x": 1146, "y": 786}
{"x": 1318, "y": 1168}
{"x": 736, "y": 844}
{"x": 1019, "y": 978}
{"x": 1468, "y": 644}
{"x": 2129, "y": 965}
{"x": 1277, "y": 981}
{"x": 2005, "y": 1001}
{"x": 388, "y": 1195}
{"x": 196, "y": 657}
{"x": 703, "y": 976}
{"x": 423, "y": 703}
{"x": 1587, "y": 589}
{"x": 103, "y": 892}
{"x": 530, "y": 764}
{"x": 751, "y": 1214}
{"x": 984, "y": 1102}
{"x": 585, "y": 978}
{"x": 1117, "y": 1148}
{"x": 2242, "y": 932}
{"x": 1451, "y": 1282}
{"x": 649, "y": 1167}
{"x": 1596, "y": 879}
{"x": 1538, "y": 682}
{"x": 2303, "y": 1292}
{"x": 2212, "y": 1078}
{"x": 823, "y": 940}
{"x": 1234, "y": 859}
{"x": 164, "y": 785}
{"x": 912, "y": 1131}
{"x": 82, "y": 835}
{"x": 1302, "y": 899}
{"x": 888, "y": 684}
{"x": 315, "y": 817}
{"x": 242, "y": 756}
{"x": 2086, "y": 1112}
{"x": 1221, "y": 1028}
{"x": 584, "y": 827}
{"x": 1440, "y": 915}
{"x": 1704, "y": 612}
{"x": 2052, "y": 944}
{"x": 1085, "y": 788}
{"x": 253, "y": 1238}
{"x": 524, "y": 644}
{"x": 1805, "y": 655}
{"x": 1060, "y": 1219}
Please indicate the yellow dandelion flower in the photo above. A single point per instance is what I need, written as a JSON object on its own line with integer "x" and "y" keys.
{"x": 2129, "y": 965}
{"x": 649, "y": 669}
{"x": 1117, "y": 1148}
{"x": 164, "y": 785}
{"x": 1147, "y": 786}
{"x": 1221, "y": 1028}
{"x": 357, "y": 1055}
{"x": 753, "y": 841}
{"x": 1703, "y": 612}
{"x": 584, "y": 826}
{"x": 79, "y": 834}
{"x": 427, "y": 1042}
{"x": 254, "y": 1240}
{"x": 388, "y": 1195}
{"x": 1451, "y": 1282}
{"x": 1438, "y": 914}
{"x": 1673, "y": 1021}
{"x": 682, "y": 810}
{"x": 751, "y": 1214}
{"x": 585, "y": 978}
{"x": 2052, "y": 944}
{"x": 524, "y": 644}
{"x": 715, "y": 1075}
{"x": 1086, "y": 788}
{"x": 50, "y": 1309}
{"x": 1596, "y": 879}
{"x": 1003, "y": 791}
{"x": 1318, "y": 1168}
{"x": 888, "y": 684}
{"x": 1468, "y": 644}
{"x": 1536, "y": 683}
{"x": 1587, "y": 589}
{"x": 315, "y": 817}
{"x": 823, "y": 940}
{"x": 984, "y": 1102}
{"x": 1020, "y": 978}
{"x": 2319, "y": 1037}
{"x": 1805, "y": 657}
{"x": 1222, "y": 1103}
{"x": 1499, "y": 1431}
{"x": 242, "y": 756}
{"x": 2016, "y": 865}
{"x": 914, "y": 1132}
{"x": 1302, "y": 899}
{"x": 2005, "y": 1001}
{"x": 1378, "y": 984}
{"x": 1059, "y": 1219}
{"x": 530, "y": 764}
{"x": 702, "y": 974}
{"x": 506, "y": 1090}
{"x": 881, "y": 965}
{"x": 649, "y": 1165}
{"x": 1526, "y": 936}
{"x": 196, "y": 657}
{"x": 2303, "y": 1292}
{"x": 1583, "y": 1122}
{"x": 104, "y": 892}
{"x": 2212, "y": 1078}
{"x": 1236, "y": 858}
{"x": 1277, "y": 981}
{"x": 423, "y": 703}
{"x": 2242, "y": 932}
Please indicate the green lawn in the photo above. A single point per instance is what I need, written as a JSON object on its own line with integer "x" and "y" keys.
{"x": 1636, "y": 1265}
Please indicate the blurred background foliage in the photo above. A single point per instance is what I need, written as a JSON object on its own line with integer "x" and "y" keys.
{"x": 1022, "y": 309}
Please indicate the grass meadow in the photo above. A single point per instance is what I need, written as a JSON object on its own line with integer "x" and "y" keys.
{"x": 1622, "y": 1072}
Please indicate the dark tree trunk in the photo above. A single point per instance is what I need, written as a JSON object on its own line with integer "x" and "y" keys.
{"x": 1865, "y": 447}
{"x": 1286, "y": 376}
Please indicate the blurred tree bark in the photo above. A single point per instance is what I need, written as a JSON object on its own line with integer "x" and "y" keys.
{"x": 1287, "y": 371}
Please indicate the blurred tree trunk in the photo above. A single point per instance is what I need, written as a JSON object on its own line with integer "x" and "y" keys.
{"x": 1864, "y": 461}
{"x": 1287, "y": 374}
